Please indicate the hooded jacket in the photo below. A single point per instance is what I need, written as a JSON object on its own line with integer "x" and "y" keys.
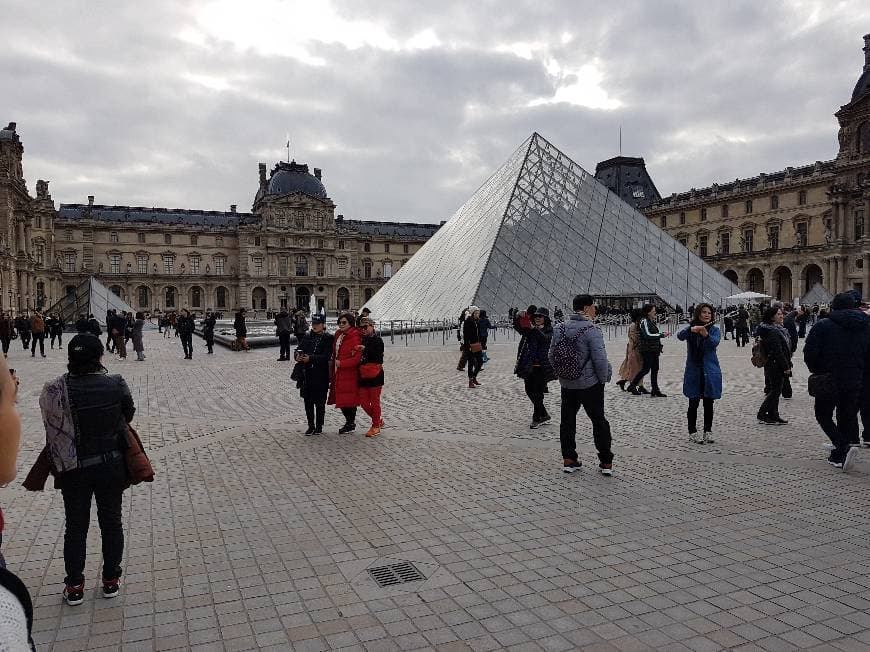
{"x": 777, "y": 346}
{"x": 590, "y": 350}
{"x": 840, "y": 345}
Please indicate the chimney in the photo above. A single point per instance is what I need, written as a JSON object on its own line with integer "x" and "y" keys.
{"x": 233, "y": 208}
{"x": 866, "y": 56}
{"x": 90, "y": 200}
{"x": 262, "y": 175}
{"x": 317, "y": 173}
{"x": 12, "y": 125}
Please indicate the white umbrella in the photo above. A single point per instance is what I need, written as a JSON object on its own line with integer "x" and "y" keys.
{"x": 747, "y": 296}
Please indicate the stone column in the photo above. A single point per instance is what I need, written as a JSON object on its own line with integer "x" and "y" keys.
{"x": 835, "y": 273}
{"x": 797, "y": 284}
{"x": 28, "y": 232}
{"x": 21, "y": 236}
{"x": 843, "y": 236}
{"x": 865, "y": 288}
{"x": 843, "y": 265}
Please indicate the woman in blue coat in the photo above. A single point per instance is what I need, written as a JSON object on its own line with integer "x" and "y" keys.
{"x": 703, "y": 377}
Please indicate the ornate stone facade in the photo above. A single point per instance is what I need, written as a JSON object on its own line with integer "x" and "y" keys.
{"x": 291, "y": 247}
{"x": 782, "y": 233}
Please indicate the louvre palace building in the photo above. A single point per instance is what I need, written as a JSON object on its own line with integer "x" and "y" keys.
{"x": 289, "y": 248}
{"x": 783, "y": 232}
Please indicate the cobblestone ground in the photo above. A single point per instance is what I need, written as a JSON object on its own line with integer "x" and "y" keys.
{"x": 256, "y": 537}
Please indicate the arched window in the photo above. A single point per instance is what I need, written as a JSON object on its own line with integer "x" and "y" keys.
{"x": 258, "y": 299}
{"x": 169, "y": 298}
{"x": 864, "y": 138}
{"x": 221, "y": 297}
{"x": 196, "y": 297}
{"x": 144, "y": 296}
{"x": 343, "y": 299}
{"x": 117, "y": 290}
{"x": 303, "y": 298}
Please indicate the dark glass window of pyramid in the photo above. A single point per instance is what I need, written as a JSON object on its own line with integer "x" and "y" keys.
{"x": 540, "y": 230}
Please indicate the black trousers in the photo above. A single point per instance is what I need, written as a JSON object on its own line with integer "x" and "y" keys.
{"x": 865, "y": 409}
{"x": 284, "y": 341}
{"x": 591, "y": 400}
{"x": 25, "y": 339}
{"x": 187, "y": 344}
{"x": 57, "y": 336}
{"x": 773, "y": 381}
{"x": 651, "y": 366}
{"x": 105, "y": 482}
{"x": 845, "y": 430}
{"x": 535, "y": 390}
{"x": 209, "y": 342}
{"x": 6, "y": 341}
{"x": 314, "y": 411}
{"x": 40, "y": 338}
{"x": 475, "y": 364}
{"x": 349, "y": 414}
{"x": 742, "y": 336}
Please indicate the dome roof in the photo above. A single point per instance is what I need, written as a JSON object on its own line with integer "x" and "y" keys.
{"x": 294, "y": 177}
{"x": 862, "y": 88}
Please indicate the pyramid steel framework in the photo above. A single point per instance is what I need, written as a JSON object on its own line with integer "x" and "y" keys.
{"x": 540, "y": 230}
{"x": 90, "y": 298}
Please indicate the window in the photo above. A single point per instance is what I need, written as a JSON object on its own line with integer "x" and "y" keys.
{"x": 37, "y": 222}
{"x": 196, "y": 297}
{"x": 168, "y": 261}
{"x": 170, "y": 297}
{"x": 367, "y": 246}
{"x": 282, "y": 266}
{"x": 219, "y": 241}
{"x": 386, "y": 247}
{"x": 703, "y": 214}
{"x": 321, "y": 267}
{"x": 801, "y": 234}
{"x": 40, "y": 254}
{"x": 115, "y": 263}
{"x": 682, "y": 217}
{"x": 194, "y": 240}
{"x": 257, "y": 241}
{"x": 69, "y": 262}
{"x": 114, "y": 236}
{"x": 748, "y": 235}
{"x": 684, "y": 242}
{"x": 663, "y": 221}
{"x": 141, "y": 238}
{"x": 68, "y": 235}
{"x": 301, "y": 266}
{"x": 802, "y": 197}
{"x": 725, "y": 242}
{"x": 404, "y": 249}
{"x": 773, "y": 237}
{"x": 702, "y": 245}
{"x": 219, "y": 265}
{"x": 342, "y": 265}
{"x": 367, "y": 269}
{"x": 320, "y": 244}
{"x": 282, "y": 242}
{"x": 167, "y": 238}
{"x": 258, "y": 266}
{"x": 300, "y": 222}
{"x": 142, "y": 264}
{"x": 747, "y": 206}
{"x": 341, "y": 244}
{"x": 144, "y": 299}
{"x": 221, "y": 297}
{"x": 388, "y": 269}
{"x": 774, "y": 202}
{"x": 194, "y": 263}
{"x": 724, "y": 210}
{"x": 859, "y": 224}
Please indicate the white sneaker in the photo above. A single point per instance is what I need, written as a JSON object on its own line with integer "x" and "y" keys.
{"x": 828, "y": 446}
{"x": 708, "y": 437}
{"x": 850, "y": 459}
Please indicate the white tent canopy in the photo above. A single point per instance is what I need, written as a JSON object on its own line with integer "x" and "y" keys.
{"x": 747, "y": 296}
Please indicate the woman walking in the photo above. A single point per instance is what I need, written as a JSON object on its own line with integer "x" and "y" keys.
{"x": 776, "y": 344}
{"x": 650, "y": 351}
{"x": 483, "y": 327}
{"x": 702, "y": 378}
{"x": 86, "y": 413}
{"x": 208, "y": 325}
{"x": 138, "y": 345}
{"x": 472, "y": 345}
{"x": 241, "y": 331}
{"x": 345, "y": 375}
{"x": 534, "y": 367}
{"x": 313, "y": 353}
{"x": 55, "y": 330}
{"x": 633, "y": 361}
{"x": 371, "y": 374}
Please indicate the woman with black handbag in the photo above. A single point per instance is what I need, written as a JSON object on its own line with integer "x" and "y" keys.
{"x": 473, "y": 345}
{"x": 534, "y": 367}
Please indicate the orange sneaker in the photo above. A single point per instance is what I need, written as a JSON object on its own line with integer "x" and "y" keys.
{"x": 374, "y": 431}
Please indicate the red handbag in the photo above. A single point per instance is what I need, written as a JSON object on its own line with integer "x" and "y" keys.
{"x": 370, "y": 370}
{"x": 475, "y": 347}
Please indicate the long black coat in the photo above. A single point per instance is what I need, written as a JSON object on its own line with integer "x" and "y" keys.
{"x": 315, "y": 374}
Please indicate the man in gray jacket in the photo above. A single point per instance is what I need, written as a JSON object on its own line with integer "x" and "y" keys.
{"x": 578, "y": 356}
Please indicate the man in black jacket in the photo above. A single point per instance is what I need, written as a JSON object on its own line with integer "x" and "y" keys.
{"x": 839, "y": 346}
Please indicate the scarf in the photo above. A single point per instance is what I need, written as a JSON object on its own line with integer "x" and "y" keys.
{"x": 785, "y": 336}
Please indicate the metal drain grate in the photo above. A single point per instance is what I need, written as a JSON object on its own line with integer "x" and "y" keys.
{"x": 401, "y": 573}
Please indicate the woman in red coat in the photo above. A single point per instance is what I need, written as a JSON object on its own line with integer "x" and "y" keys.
{"x": 345, "y": 372}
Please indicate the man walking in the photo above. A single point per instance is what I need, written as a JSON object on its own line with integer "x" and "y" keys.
{"x": 580, "y": 361}
{"x": 37, "y": 327}
{"x": 837, "y": 352}
{"x": 283, "y": 328}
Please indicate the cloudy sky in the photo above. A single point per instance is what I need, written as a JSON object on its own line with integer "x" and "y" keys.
{"x": 408, "y": 106}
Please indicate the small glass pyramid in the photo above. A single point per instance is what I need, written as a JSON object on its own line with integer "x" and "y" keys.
{"x": 540, "y": 230}
{"x": 90, "y": 298}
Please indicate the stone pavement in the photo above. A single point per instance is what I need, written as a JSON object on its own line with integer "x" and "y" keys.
{"x": 254, "y": 537}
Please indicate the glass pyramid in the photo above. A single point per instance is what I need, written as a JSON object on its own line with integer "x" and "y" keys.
{"x": 540, "y": 230}
{"x": 90, "y": 298}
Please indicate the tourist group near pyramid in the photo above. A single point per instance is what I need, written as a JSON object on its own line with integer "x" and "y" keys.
{"x": 541, "y": 229}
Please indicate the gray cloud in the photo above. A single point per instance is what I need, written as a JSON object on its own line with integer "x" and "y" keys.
{"x": 120, "y": 102}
